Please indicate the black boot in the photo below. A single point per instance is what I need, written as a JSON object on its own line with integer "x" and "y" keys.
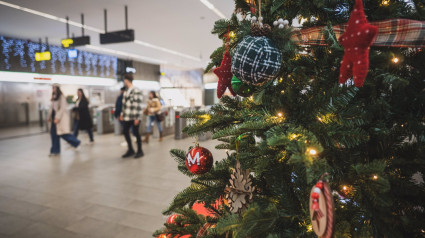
{"x": 139, "y": 150}
{"x": 139, "y": 154}
{"x": 128, "y": 154}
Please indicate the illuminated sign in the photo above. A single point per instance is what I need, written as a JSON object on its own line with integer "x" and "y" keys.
{"x": 130, "y": 70}
{"x": 43, "y": 56}
{"x": 72, "y": 53}
{"x": 67, "y": 42}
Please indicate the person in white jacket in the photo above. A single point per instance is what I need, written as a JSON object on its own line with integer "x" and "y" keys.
{"x": 59, "y": 121}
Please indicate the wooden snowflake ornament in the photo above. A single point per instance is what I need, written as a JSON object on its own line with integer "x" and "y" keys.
{"x": 357, "y": 39}
{"x": 240, "y": 192}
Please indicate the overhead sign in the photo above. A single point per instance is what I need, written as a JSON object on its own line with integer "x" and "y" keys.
{"x": 76, "y": 41}
{"x": 82, "y": 40}
{"x": 67, "y": 42}
{"x": 117, "y": 37}
{"x": 72, "y": 53}
{"x": 43, "y": 56}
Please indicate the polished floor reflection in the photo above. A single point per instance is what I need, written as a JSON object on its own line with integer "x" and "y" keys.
{"x": 90, "y": 192}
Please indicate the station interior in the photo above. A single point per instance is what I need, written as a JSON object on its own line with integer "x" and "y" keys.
{"x": 92, "y": 191}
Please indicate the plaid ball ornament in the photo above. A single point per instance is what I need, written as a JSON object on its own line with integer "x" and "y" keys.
{"x": 256, "y": 61}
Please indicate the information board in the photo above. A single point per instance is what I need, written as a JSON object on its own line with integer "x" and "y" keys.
{"x": 19, "y": 56}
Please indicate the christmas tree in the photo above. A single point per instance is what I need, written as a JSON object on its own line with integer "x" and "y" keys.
{"x": 301, "y": 116}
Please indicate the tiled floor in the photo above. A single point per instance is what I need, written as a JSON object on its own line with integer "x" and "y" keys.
{"x": 19, "y": 131}
{"x": 87, "y": 193}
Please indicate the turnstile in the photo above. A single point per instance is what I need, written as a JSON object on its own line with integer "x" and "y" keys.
{"x": 105, "y": 119}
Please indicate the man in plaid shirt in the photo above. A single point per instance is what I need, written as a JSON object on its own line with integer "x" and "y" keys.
{"x": 131, "y": 115}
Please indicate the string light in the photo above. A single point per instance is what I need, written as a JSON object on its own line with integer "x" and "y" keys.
{"x": 312, "y": 152}
{"x": 344, "y": 188}
{"x": 395, "y": 60}
{"x": 205, "y": 117}
{"x": 282, "y": 92}
{"x": 232, "y": 34}
{"x": 309, "y": 228}
{"x": 385, "y": 3}
{"x": 293, "y": 136}
{"x": 280, "y": 114}
{"x": 375, "y": 177}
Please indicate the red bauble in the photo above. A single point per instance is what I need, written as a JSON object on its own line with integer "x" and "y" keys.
{"x": 199, "y": 160}
{"x": 164, "y": 236}
{"x": 172, "y": 219}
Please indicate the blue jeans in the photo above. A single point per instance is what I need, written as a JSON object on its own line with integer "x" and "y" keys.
{"x": 56, "y": 145}
{"x": 152, "y": 119}
{"x": 76, "y": 129}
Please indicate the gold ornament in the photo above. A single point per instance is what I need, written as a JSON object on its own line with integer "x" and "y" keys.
{"x": 240, "y": 192}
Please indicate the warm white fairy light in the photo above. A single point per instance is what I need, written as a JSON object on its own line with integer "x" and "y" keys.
{"x": 395, "y": 60}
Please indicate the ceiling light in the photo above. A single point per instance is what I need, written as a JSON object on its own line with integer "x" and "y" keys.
{"x": 98, "y": 30}
{"x": 166, "y": 50}
{"x": 213, "y": 8}
{"x": 125, "y": 54}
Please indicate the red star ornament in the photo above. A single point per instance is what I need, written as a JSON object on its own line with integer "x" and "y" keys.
{"x": 357, "y": 39}
{"x": 224, "y": 75}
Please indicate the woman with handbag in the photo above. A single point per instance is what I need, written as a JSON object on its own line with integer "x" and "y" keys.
{"x": 82, "y": 119}
{"x": 153, "y": 111}
{"x": 59, "y": 120}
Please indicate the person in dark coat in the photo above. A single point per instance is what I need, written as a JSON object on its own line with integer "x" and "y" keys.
{"x": 118, "y": 104}
{"x": 82, "y": 119}
{"x": 118, "y": 109}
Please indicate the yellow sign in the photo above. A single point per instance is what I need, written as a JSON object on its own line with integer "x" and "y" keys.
{"x": 41, "y": 56}
{"x": 67, "y": 42}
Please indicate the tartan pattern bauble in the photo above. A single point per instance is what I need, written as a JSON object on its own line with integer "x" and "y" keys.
{"x": 256, "y": 61}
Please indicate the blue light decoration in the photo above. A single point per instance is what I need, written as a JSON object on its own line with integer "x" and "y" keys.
{"x": 43, "y": 63}
{"x": 32, "y": 48}
{"x": 19, "y": 56}
{"x": 7, "y": 48}
{"x": 72, "y": 53}
{"x": 20, "y": 51}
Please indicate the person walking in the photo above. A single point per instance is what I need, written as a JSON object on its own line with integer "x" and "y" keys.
{"x": 60, "y": 121}
{"x": 152, "y": 111}
{"x": 118, "y": 104}
{"x": 131, "y": 115}
{"x": 82, "y": 118}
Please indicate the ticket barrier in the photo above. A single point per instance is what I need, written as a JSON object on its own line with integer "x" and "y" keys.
{"x": 105, "y": 119}
{"x": 180, "y": 123}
